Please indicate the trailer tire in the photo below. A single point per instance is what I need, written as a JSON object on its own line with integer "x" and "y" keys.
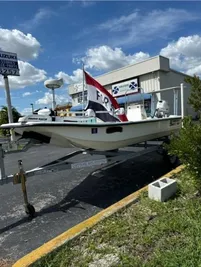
{"x": 30, "y": 210}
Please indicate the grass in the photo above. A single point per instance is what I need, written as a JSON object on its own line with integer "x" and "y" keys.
{"x": 147, "y": 234}
{"x": 5, "y": 263}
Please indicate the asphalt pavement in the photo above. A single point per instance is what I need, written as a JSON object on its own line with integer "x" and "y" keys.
{"x": 65, "y": 198}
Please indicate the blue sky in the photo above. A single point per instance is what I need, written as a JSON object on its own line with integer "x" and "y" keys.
{"x": 52, "y": 38}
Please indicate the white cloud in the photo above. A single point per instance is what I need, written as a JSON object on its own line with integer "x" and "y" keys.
{"x": 26, "y": 111}
{"x": 26, "y": 46}
{"x": 119, "y": 24}
{"x": 26, "y": 94}
{"x": 139, "y": 26}
{"x": 41, "y": 15}
{"x": 105, "y": 58}
{"x": 185, "y": 54}
{"x": 76, "y": 77}
{"x": 194, "y": 71}
{"x": 47, "y": 99}
{"x": 29, "y": 75}
{"x": 102, "y": 58}
{"x": 87, "y": 3}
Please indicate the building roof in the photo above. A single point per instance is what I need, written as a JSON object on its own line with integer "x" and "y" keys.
{"x": 130, "y": 71}
{"x": 134, "y": 64}
{"x": 182, "y": 73}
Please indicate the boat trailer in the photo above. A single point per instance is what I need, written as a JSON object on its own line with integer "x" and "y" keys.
{"x": 110, "y": 159}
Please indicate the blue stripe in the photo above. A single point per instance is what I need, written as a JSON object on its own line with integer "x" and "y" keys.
{"x": 120, "y": 100}
{"x": 133, "y": 98}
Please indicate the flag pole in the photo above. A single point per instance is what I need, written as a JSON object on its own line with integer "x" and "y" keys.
{"x": 83, "y": 88}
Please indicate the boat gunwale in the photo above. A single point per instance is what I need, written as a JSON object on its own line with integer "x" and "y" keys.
{"x": 87, "y": 125}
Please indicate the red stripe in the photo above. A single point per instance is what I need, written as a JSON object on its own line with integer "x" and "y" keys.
{"x": 90, "y": 81}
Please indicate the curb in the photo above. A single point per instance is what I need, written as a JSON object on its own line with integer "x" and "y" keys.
{"x": 68, "y": 235}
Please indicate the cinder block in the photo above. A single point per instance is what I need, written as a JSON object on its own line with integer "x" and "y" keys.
{"x": 162, "y": 189}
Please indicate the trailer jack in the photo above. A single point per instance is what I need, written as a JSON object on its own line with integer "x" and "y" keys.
{"x": 18, "y": 178}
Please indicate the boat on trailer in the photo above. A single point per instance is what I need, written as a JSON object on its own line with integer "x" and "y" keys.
{"x": 102, "y": 129}
{"x": 98, "y": 136}
{"x": 104, "y": 126}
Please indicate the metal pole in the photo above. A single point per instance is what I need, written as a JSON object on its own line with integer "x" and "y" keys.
{"x": 153, "y": 104}
{"x": 83, "y": 88}
{"x": 2, "y": 167}
{"x": 175, "y": 101}
{"x": 164, "y": 89}
{"x": 182, "y": 100}
{"x": 53, "y": 99}
{"x": 9, "y": 106}
{"x": 142, "y": 95}
{"x": 32, "y": 108}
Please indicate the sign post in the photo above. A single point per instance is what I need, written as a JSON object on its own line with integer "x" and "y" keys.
{"x": 9, "y": 66}
{"x": 9, "y": 106}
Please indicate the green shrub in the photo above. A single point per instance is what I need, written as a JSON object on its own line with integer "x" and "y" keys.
{"x": 187, "y": 146}
{"x": 4, "y": 118}
{"x": 195, "y": 96}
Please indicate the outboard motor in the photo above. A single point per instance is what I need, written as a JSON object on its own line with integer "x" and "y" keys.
{"x": 162, "y": 109}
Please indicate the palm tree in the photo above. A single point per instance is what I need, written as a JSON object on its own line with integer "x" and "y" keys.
{"x": 4, "y": 118}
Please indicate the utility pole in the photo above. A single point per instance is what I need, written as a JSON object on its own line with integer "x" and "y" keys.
{"x": 32, "y": 108}
{"x": 9, "y": 106}
{"x": 9, "y": 66}
{"x": 83, "y": 87}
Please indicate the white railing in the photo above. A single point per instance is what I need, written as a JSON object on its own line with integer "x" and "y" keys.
{"x": 175, "y": 92}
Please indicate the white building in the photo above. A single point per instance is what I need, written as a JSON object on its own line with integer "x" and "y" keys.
{"x": 150, "y": 75}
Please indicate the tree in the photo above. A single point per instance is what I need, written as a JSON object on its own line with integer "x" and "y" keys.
{"x": 4, "y": 118}
{"x": 195, "y": 96}
{"x": 187, "y": 144}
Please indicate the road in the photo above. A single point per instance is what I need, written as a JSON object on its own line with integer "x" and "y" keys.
{"x": 66, "y": 198}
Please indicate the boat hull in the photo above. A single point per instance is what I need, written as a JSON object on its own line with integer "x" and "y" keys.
{"x": 100, "y": 136}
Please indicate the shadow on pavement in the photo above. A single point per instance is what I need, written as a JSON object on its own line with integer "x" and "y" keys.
{"x": 107, "y": 187}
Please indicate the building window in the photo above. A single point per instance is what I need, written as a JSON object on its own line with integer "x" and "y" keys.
{"x": 79, "y": 97}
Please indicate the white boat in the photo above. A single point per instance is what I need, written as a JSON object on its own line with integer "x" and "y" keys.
{"x": 98, "y": 136}
{"x": 89, "y": 132}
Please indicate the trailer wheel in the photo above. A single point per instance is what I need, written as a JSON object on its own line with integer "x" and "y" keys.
{"x": 173, "y": 160}
{"x": 30, "y": 210}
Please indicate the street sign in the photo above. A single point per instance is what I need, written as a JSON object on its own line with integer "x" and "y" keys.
{"x": 9, "y": 64}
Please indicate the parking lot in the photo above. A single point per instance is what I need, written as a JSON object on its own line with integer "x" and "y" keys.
{"x": 65, "y": 198}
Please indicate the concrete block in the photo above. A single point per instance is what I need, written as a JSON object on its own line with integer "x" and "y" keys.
{"x": 162, "y": 189}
